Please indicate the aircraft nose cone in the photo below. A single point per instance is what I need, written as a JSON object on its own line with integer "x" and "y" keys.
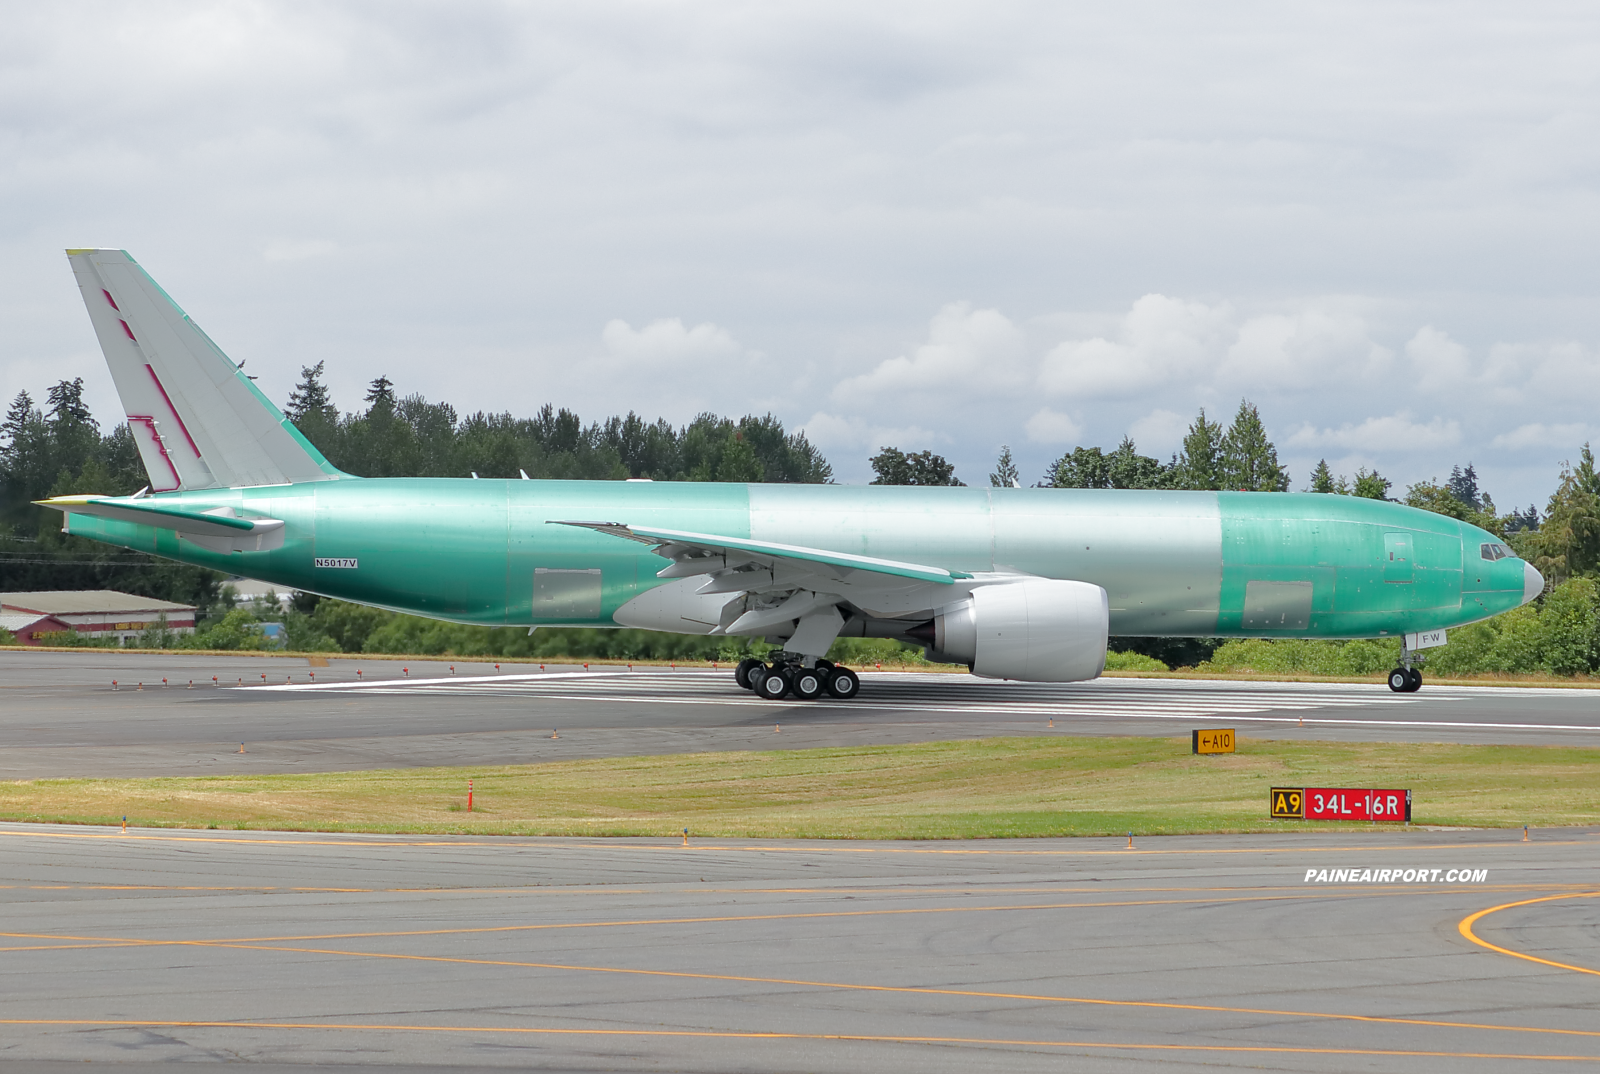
{"x": 1532, "y": 583}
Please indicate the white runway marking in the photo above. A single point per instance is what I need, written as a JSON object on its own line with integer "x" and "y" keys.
{"x": 1142, "y": 699}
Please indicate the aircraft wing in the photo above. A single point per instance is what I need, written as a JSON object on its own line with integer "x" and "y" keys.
{"x": 789, "y": 581}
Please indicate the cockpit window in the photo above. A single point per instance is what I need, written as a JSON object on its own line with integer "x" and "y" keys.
{"x": 1493, "y": 552}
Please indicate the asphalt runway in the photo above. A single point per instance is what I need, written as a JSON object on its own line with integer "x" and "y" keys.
{"x": 154, "y": 949}
{"x": 59, "y": 715}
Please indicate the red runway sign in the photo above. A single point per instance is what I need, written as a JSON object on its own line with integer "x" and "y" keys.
{"x": 1341, "y": 803}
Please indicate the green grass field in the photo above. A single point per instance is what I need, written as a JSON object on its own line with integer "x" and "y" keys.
{"x": 998, "y": 787}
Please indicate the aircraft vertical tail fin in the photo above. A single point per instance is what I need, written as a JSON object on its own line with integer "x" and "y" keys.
{"x": 198, "y": 420}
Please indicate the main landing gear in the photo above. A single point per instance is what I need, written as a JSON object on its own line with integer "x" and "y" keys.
{"x": 789, "y": 676}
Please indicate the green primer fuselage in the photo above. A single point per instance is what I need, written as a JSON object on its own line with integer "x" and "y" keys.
{"x": 1173, "y": 563}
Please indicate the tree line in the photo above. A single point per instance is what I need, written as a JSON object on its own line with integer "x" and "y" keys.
{"x": 411, "y": 436}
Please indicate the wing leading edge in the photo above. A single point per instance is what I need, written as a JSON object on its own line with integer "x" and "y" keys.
{"x": 773, "y": 587}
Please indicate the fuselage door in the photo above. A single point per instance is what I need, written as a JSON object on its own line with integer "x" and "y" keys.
{"x": 1397, "y": 557}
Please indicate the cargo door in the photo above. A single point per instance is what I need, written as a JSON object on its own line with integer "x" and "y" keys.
{"x": 1397, "y": 558}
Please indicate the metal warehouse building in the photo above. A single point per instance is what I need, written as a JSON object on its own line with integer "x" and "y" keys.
{"x": 93, "y": 613}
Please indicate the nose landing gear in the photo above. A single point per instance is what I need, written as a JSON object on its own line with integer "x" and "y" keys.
{"x": 1405, "y": 680}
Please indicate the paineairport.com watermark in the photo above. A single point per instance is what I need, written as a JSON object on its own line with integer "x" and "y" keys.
{"x": 1396, "y": 876}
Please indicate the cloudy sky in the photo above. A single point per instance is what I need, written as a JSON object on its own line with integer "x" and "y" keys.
{"x": 933, "y": 225}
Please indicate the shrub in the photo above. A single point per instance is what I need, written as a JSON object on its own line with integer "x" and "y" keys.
{"x": 1133, "y": 662}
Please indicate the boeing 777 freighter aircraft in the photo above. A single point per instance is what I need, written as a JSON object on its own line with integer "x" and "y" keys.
{"x": 1016, "y": 583}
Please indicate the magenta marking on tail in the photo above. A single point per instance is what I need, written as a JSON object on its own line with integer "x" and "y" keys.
{"x": 176, "y": 416}
{"x": 150, "y": 423}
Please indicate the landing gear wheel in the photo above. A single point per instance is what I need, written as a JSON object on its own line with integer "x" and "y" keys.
{"x": 773, "y": 685}
{"x": 843, "y": 684}
{"x": 808, "y": 683}
{"x": 1416, "y": 681}
{"x": 1400, "y": 681}
{"x": 741, "y": 674}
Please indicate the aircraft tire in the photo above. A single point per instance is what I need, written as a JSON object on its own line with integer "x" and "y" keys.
{"x": 1400, "y": 681}
{"x": 1416, "y": 681}
{"x": 844, "y": 684}
{"x": 773, "y": 685}
{"x": 741, "y": 674}
{"x": 808, "y": 683}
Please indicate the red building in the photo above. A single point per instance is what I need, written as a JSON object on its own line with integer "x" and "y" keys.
{"x": 27, "y": 626}
{"x": 93, "y": 613}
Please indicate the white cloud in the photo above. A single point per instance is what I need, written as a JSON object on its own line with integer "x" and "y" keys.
{"x": 856, "y": 435}
{"x": 667, "y": 341}
{"x": 1300, "y": 348}
{"x": 973, "y": 351}
{"x": 1160, "y": 339}
{"x": 1540, "y": 435}
{"x": 1396, "y": 433}
{"x": 1050, "y": 427}
{"x": 1159, "y": 432}
{"x": 1438, "y": 359}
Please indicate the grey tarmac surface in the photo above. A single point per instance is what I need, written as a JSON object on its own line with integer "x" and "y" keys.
{"x": 159, "y": 950}
{"x": 59, "y": 715}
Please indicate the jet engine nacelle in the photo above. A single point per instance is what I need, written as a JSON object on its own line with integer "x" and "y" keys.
{"x": 1035, "y": 630}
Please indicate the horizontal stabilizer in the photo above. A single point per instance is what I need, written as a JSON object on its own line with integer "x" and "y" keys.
{"x": 198, "y": 420}
{"x": 218, "y": 529}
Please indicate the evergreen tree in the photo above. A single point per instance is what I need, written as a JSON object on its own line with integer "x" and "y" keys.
{"x": 1199, "y": 464}
{"x": 1005, "y": 474}
{"x": 1127, "y": 469}
{"x": 1249, "y": 462}
{"x": 739, "y": 462}
{"x": 1322, "y": 478}
{"x": 1370, "y": 485}
{"x": 1567, "y": 544}
{"x": 380, "y": 395}
{"x": 310, "y": 397}
{"x": 1523, "y": 521}
{"x": 1463, "y": 485}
